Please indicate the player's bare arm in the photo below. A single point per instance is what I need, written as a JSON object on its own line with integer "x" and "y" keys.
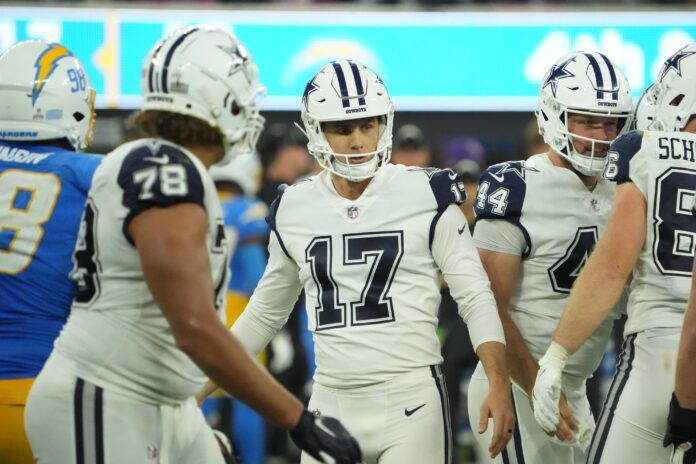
{"x": 502, "y": 269}
{"x": 171, "y": 245}
{"x": 604, "y": 277}
{"x": 498, "y": 403}
{"x": 594, "y": 294}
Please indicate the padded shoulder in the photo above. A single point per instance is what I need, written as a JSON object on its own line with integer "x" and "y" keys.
{"x": 158, "y": 174}
{"x": 273, "y": 210}
{"x": 501, "y": 191}
{"x": 621, "y": 151}
{"x": 446, "y": 185}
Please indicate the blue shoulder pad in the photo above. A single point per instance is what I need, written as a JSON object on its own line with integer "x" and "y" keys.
{"x": 447, "y": 187}
{"x": 271, "y": 218}
{"x": 620, "y": 154}
{"x": 273, "y": 210}
{"x": 158, "y": 175}
{"x": 501, "y": 191}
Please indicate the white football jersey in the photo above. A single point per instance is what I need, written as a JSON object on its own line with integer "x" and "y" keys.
{"x": 116, "y": 334}
{"x": 560, "y": 220}
{"x": 369, "y": 269}
{"x": 662, "y": 166}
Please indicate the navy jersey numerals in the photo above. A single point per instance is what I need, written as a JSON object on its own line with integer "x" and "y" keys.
{"x": 675, "y": 237}
{"x": 566, "y": 270}
{"x": 85, "y": 258}
{"x": 383, "y": 251}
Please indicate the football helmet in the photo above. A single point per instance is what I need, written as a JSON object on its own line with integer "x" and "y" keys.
{"x": 645, "y": 110}
{"x": 582, "y": 83}
{"x": 205, "y": 72}
{"x": 45, "y": 94}
{"x": 244, "y": 170}
{"x": 675, "y": 93}
{"x": 346, "y": 90}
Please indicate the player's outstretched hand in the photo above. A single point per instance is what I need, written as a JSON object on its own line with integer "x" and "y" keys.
{"x": 546, "y": 395}
{"x": 681, "y": 433}
{"x": 325, "y": 439}
{"x": 498, "y": 406}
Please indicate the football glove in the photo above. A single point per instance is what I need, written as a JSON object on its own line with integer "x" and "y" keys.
{"x": 325, "y": 439}
{"x": 681, "y": 433}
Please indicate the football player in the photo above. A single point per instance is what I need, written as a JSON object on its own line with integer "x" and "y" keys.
{"x": 369, "y": 268}
{"x": 46, "y": 117}
{"x": 536, "y": 223}
{"x": 649, "y": 237}
{"x": 681, "y": 422}
{"x": 146, "y": 327}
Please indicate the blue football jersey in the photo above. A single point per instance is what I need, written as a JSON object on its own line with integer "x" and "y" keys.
{"x": 245, "y": 218}
{"x": 42, "y": 195}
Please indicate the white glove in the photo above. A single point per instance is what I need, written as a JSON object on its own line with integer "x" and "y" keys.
{"x": 547, "y": 387}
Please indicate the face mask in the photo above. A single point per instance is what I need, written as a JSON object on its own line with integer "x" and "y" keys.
{"x": 356, "y": 172}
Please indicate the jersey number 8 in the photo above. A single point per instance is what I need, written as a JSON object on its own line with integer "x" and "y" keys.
{"x": 27, "y": 200}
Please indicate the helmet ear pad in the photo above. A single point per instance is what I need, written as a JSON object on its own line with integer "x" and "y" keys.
{"x": 46, "y": 95}
{"x": 585, "y": 83}
{"x": 347, "y": 90}
{"x": 206, "y": 72}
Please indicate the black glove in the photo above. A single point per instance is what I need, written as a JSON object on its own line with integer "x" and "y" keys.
{"x": 681, "y": 433}
{"x": 325, "y": 437}
{"x": 226, "y": 449}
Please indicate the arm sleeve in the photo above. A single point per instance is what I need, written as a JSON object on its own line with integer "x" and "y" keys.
{"x": 272, "y": 302}
{"x": 457, "y": 258}
{"x": 500, "y": 236}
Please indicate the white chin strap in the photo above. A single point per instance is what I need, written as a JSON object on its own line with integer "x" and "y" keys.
{"x": 356, "y": 172}
{"x": 589, "y": 165}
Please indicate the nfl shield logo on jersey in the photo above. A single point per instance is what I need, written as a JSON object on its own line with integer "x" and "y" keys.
{"x": 352, "y": 212}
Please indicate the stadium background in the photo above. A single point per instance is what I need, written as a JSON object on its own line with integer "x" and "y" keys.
{"x": 463, "y": 76}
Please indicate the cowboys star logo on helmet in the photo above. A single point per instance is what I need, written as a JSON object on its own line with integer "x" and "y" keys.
{"x": 675, "y": 93}
{"x": 340, "y": 91}
{"x": 674, "y": 62}
{"x": 589, "y": 84}
{"x": 558, "y": 72}
{"x": 205, "y": 72}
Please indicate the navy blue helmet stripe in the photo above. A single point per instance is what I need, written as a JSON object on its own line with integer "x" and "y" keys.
{"x": 170, "y": 54}
{"x": 598, "y": 74}
{"x": 151, "y": 71}
{"x": 342, "y": 84}
{"x": 612, "y": 75}
{"x": 358, "y": 82}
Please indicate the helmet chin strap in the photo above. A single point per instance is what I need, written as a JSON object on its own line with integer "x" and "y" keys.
{"x": 358, "y": 171}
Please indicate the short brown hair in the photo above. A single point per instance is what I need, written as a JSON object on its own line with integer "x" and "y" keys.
{"x": 177, "y": 128}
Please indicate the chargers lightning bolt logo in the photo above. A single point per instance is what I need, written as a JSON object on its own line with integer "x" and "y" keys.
{"x": 45, "y": 64}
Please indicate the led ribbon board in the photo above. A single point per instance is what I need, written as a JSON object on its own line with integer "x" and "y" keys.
{"x": 454, "y": 61}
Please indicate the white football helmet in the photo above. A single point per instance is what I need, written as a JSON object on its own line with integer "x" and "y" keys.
{"x": 45, "y": 94}
{"x": 244, "y": 170}
{"x": 582, "y": 83}
{"x": 645, "y": 115}
{"x": 675, "y": 90}
{"x": 345, "y": 90}
{"x": 205, "y": 72}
